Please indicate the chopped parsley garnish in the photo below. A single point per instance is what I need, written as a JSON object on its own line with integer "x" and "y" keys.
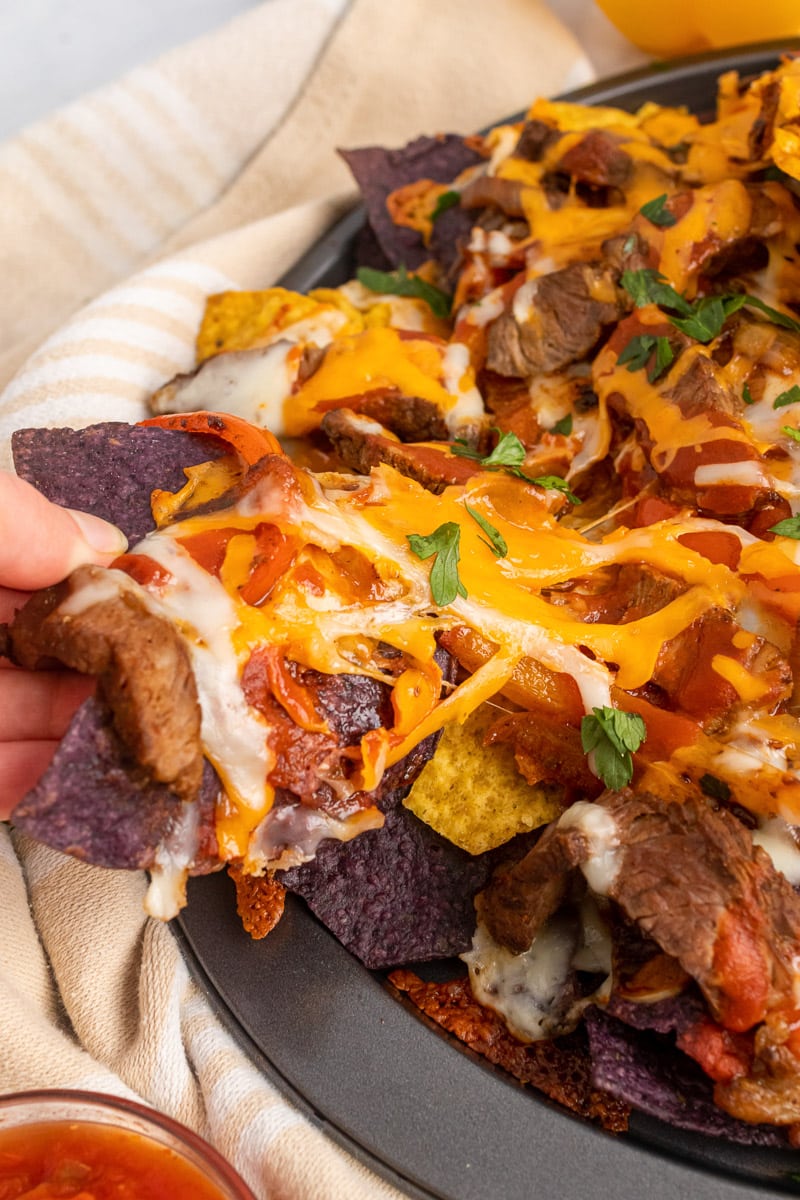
{"x": 556, "y": 483}
{"x": 791, "y": 396}
{"x": 444, "y": 544}
{"x": 789, "y": 528}
{"x": 651, "y": 287}
{"x": 791, "y": 432}
{"x": 613, "y": 735}
{"x": 640, "y": 350}
{"x": 708, "y": 316}
{"x": 717, "y": 789}
{"x": 747, "y": 395}
{"x": 446, "y": 200}
{"x": 496, "y": 543}
{"x": 400, "y": 283}
{"x": 563, "y": 426}
{"x": 700, "y": 319}
{"x": 509, "y": 452}
{"x": 507, "y": 456}
{"x": 656, "y": 213}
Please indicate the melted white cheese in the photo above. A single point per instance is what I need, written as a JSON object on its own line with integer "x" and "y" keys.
{"x": 600, "y": 830}
{"x": 775, "y": 836}
{"x": 253, "y": 384}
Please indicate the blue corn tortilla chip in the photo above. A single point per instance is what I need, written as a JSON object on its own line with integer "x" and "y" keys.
{"x": 379, "y": 171}
{"x": 396, "y": 895}
{"x": 94, "y": 804}
{"x": 673, "y": 1015}
{"x": 110, "y": 469}
{"x": 649, "y": 1073}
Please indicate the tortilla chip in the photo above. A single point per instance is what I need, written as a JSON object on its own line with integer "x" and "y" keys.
{"x": 646, "y": 1071}
{"x": 393, "y": 895}
{"x": 379, "y": 172}
{"x": 259, "y": 901}
{"x": 110, "y": 469}
{"x": 241, "y": 320}
{"x": 474, "y": 795}
{"x": 560, "y": 1069}
{"x": 93, "y": 803}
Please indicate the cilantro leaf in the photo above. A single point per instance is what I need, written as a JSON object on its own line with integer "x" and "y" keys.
{"x": 444, "y": 544}
{"x": 789, "y": 528}
{"x": 651, "y": 287}
{"x": 747, "y": 395}
{"x": 777, "y": 318}
{"x": 717, "y": 789}
{"x": 629, "y": 245}
{"x": 446, "y": 200}
{"x": 613, "y": 735}
{"x": 791, "y": 396}
{"x": 791, "y": 432}
{"x": 509, "y": 451}
{"x": 708, "y": 316}
{"x": 640, "y": 349}
{"x": 400, "y": 283}
{"x": 563, "y": 426}
{"x": 497, "y": 543}
{"x": 556, "y": 483}
{"x": 655, "y": 212}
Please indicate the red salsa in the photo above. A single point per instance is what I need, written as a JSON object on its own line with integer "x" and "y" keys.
{"x": 80, "y": 1160}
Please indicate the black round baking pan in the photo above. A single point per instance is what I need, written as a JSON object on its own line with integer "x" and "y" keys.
{"x": 402, "y": 1096}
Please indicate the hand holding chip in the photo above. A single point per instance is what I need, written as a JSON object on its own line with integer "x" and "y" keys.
{"x": 40, "y": 544}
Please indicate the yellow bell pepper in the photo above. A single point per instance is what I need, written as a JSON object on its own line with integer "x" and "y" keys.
{"x": 689, "y": 26}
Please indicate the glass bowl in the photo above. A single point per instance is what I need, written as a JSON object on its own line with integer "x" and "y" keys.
{"x": 64, "y": 1136}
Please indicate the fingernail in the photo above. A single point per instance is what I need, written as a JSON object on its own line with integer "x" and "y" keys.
{"x": 99, "y": 534}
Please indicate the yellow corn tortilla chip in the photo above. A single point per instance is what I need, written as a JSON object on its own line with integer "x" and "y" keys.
{"x": 241, "y": 320}
{"x": 473, "y": 795}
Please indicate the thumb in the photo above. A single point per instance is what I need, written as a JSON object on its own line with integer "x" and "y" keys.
{"x": 40, "y": 543}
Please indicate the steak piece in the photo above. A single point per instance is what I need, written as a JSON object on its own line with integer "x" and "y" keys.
{"x": 520, "y": 899}
{"x": 597, "y": 159}
{"x": 570, "y": 309}
{"x": 97, "y": 623}
{"x": 362, "y": 444}
{"x": 689, "y": 876}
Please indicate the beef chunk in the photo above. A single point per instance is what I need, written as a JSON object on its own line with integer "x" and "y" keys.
{"x": 363, "y": 444}
{"x": 597, "y": 159}
{"x": 699, "y": 391}
{"x": 96, "y": 623}
{"x": 519, "y": 900}
{"x": 535, "y": 139}
{"x": 570, "y": 310}
{"x": 411, "y": 418}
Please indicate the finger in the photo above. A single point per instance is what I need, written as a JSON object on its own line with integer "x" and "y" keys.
{"x": 41, "y": 543}
{"x": 22, "y": 765}
{"x": 39, "y": 705}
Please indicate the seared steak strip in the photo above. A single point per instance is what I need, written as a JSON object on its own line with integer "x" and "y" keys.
{"x": 144, "y": 674}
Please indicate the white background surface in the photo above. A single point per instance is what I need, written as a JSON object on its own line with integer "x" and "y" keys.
{"x": 51, "y": 51}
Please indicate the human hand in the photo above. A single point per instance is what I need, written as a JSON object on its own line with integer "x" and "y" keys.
{"x": 40, "y": 544}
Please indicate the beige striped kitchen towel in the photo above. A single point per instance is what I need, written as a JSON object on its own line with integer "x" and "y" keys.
{"x": 114, "y": 193}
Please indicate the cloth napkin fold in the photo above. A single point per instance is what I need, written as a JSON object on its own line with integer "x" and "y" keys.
{"x": 116, "y": 192}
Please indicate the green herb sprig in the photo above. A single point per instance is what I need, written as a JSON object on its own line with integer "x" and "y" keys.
{"x": 507, "y": 456}
{"x": 444, "y": 543}
{"x": 400, "y": 283}
{"x": 614, "y": 735}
